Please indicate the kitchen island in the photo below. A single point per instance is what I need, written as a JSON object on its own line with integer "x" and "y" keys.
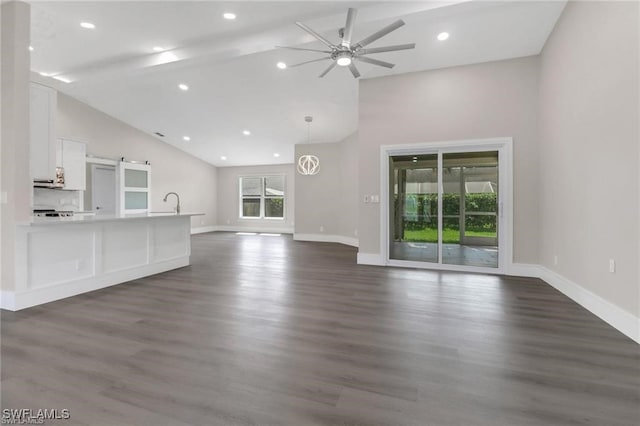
{"x": 66, "y": 256}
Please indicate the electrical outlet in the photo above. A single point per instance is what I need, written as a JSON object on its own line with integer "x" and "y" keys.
{"x": 355, "y": 232}
{"x": 555, "y": 260}
{"x": 321, "y": 228}
{"x": 228, "y": 221}
{"x": 366, "y": 198}
{"x": 612, "y": 266}
{"x": 3, "y": 197}
{"x": 202, "y": 222}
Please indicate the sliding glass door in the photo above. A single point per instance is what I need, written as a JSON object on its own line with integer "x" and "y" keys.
{"x": 414, "y": 208}
{"x": 443, "y": 208}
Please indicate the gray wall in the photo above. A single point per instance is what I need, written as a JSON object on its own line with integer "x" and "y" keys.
{"x": 171, "y": 169}
{"x": 329, "y": 199}
{"x": 349, "y": 186}
{"x": 229, "y": 199}
{"x": 477, "y": 101}
{"x": 589, "y": 140}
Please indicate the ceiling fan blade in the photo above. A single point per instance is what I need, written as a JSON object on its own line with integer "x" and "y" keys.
{"x": 325, "y": 72}
{"x": 387, "y": 48}
{"x": 316, "y": 35}
{"x": 302, "y": 48}
{"x": 348, "y": 27}
{"x": 354, "y": 70}
{"x": 376, "y": 62}
{"x": 308, "y": 62}
{"x": 379, "y": 34}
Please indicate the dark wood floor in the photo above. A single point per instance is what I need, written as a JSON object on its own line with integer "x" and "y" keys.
{"x": 268, "y": 331}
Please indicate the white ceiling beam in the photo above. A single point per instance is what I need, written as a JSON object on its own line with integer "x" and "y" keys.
{"x": 224, "y": 49}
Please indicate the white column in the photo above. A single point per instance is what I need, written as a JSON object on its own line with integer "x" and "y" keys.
{"x": 15, "y": 185}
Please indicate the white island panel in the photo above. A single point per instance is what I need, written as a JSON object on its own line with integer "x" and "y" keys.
{"x": 170, "y": 240}
{"x": 125, "y": 245}
{"x": 62, "y": 257}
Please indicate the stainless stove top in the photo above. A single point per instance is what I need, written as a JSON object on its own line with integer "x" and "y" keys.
{"x": 52, "y": 213}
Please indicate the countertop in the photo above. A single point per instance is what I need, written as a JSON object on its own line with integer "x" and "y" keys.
{"x": 85, "y": 218}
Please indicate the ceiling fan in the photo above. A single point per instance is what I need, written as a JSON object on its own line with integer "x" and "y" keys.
{"x": 345, "y": 53}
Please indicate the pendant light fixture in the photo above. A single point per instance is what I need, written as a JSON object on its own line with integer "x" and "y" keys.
{"x": 308, "y": 164}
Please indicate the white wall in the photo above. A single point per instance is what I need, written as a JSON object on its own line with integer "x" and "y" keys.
{"x": 326, "y": 203}
{"x": 171, "y": 168}
{"x": 229, "y": 199}
{"x": 589, "y": 139}
{"x": 495, "y": 99}
{"x": 14, "y": 139}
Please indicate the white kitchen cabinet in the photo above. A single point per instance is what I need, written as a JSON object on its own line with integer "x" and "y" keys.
{"x": 72, "y": 156}
{"x": 42, "y": 157}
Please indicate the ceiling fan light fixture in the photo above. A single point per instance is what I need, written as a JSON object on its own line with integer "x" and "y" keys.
{"x": 344, "y": 59}
{"x": 345, "y": 52}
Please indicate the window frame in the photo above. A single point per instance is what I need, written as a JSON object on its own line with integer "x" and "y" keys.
{"x": 262, "y": 197}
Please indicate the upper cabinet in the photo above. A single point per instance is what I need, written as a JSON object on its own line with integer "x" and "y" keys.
{"x": 72, "y": 157}
{"x": 45, "y": 152}
{"x": 42, "y": 125}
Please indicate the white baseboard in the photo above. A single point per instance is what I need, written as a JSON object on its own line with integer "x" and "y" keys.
{"x": 264, "y": 229}
{"x": 523, "y": 270}
{"x": 370, "y": 259}
{"x": 7, "y": 300}
{"x": 14, "y": 301}
{"x": 203, "y": 229}
{"x": 618, "y": 318}
{"x": 326, "y": 238}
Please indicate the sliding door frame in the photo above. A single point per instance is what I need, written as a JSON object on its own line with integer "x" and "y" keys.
{"x": 504, "y": 146}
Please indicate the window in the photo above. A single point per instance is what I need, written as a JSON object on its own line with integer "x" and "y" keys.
{"x": 262, "y": 197}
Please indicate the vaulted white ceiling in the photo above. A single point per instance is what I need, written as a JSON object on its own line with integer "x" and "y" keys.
{"x": 230, "y": 66}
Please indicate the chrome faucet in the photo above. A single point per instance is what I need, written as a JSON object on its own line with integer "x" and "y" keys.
{"x": 177, "y": 197}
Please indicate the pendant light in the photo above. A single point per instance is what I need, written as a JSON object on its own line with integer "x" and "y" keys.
{"x": 308, "y": 164}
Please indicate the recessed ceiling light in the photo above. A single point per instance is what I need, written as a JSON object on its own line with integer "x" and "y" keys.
{"x": 230, "y": 16}
{"x": 281, "y": 65}
{"x": 183, "y": 86}
{"x": 158, "y": 49}
{"x": 30, "y": 48}
{"x": 223, "y": 158}
{"x": 443, "y": 36}
{"x": 186, "y": 138}
{"x": 87, "y": 25}
{"x": 276, "y": 155}
{"x": 246, "y": 132}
